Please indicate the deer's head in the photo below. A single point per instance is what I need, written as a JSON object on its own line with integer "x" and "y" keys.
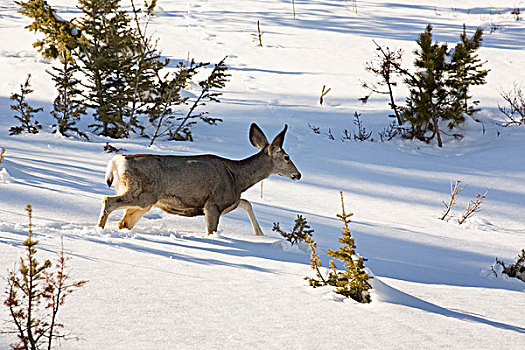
{"x": 281, "y": 162}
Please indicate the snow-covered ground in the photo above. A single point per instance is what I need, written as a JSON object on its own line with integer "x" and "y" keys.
{"x": 167, "y": 285}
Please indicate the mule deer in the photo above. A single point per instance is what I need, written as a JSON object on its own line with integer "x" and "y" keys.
{"x": 193, "y": 185}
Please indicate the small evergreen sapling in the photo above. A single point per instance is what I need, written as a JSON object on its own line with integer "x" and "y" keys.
{"x": 68, "y": 108}
{"x": 110, "y": 52}
{"x": 34, "y": 295}
{"x": 353, "y": 282}
{"x": 117, "y": 68}
{"x": 439, "y": 88}
{"x": 26, "y": 115}
{"x": 362, "y": 134}
{"x": 427, "y": 102}
{"x": 465, "y": 70}
{"x": 300, "y": 231}
{"x": 120, "y": 71}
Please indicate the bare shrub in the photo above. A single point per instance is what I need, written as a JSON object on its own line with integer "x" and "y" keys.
{"x": 454, "y": 191}
{"x": 473, "y": 207}
{"x": 515, "y": 109}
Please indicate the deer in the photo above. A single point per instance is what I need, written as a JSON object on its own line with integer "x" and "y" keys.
{"x": 195, "y": 185}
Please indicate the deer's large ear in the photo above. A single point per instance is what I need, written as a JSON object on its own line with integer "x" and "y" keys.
{"x": 257, "y": 137}
{"x": 277, "y": 142}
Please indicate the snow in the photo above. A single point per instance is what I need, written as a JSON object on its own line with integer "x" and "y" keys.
{"x": 4, "y": 176}
{"x": 165, "y": 284}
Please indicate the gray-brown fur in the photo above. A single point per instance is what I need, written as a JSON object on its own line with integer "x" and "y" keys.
{"x": 193, "y": 185}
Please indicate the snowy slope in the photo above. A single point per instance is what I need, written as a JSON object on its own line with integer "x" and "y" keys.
{"x": 167, "y": 285}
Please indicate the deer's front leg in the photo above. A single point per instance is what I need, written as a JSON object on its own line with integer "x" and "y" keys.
{"x": 211, "y": 215}
{"x": 247, "y": 206}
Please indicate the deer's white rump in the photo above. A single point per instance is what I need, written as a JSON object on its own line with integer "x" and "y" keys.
{"x": 206, "y": 185}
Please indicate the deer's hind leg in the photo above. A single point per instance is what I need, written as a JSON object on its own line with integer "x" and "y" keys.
{"x": 131, "y": 217}
{"x": 124, "y": 201}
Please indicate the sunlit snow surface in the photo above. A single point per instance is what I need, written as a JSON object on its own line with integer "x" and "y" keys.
{"x": 165, "y": 285}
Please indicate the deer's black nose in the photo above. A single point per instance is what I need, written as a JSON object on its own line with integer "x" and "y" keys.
{"x": 296, "y": 176}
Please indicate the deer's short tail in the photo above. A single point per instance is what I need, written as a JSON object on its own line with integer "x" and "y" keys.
{"x": 111, "y": 170}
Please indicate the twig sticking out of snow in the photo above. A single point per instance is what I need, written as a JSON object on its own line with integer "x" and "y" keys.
{"x": 454, "y": 191}
{"x": 473, "y": 207}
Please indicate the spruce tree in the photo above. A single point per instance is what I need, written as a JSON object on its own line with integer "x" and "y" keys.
{"x": 145, "y": 74}
{"x": 427, "y": 102}
{"x": 120, "y": 70}
{"x": 353, "y": 282}
{"x": 465, "y": 70}
{"x": 26, "y": 112}
{"x": 68, "y": 108}
{"x": 439, "y": 88}
{"x": 107, "y": 52}
{"x": 60, "y": 36}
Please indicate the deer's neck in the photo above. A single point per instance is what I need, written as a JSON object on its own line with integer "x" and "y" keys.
{"x": 253, "y": 169}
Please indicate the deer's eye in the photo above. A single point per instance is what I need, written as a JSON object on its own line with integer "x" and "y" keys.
{"x": 287, "y": 158}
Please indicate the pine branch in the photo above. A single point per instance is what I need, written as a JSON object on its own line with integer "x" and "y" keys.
{"x": 315, "y": 264}
{"x": 300, "y": 231}
{"x": 216, "y": 79}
